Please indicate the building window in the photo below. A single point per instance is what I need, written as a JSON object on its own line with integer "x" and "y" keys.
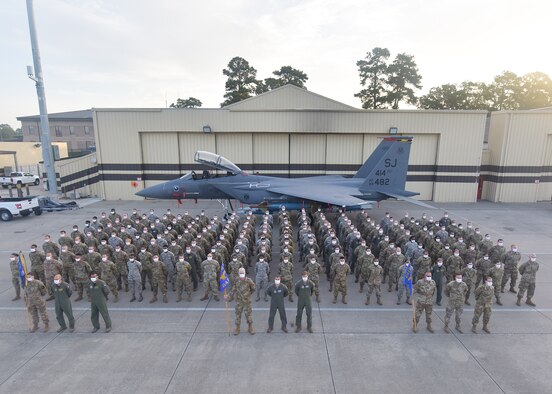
{"x": 31, "y": 130}
{"x": 87, "y": 130}
{"x": 71, "y": 130}
{"x": 58, "y": 131}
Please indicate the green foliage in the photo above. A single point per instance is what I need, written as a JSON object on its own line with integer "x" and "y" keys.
{"x": 387, "y": 84}
{"x": 190, "y": 102}
{"x": 242, "y": 81}
{"x": 373, "y": 73}
{"x": 7, "y": 133}
{"x": 507, "y": 92}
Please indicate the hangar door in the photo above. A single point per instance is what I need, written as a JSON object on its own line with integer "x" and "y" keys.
{"x": 236, "y": 147}
{"x": 544, "y": 190}
{"x": 307, "y": 154}
{"x": 159, "y": 157}
{"x": 343, "y": 153}
{"x": 188, "y": 144}
{"x": 421, "y": 165}
{"x": 271, "y": 153}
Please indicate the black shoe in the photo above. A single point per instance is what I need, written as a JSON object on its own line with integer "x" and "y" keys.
{"x": 108, "y": 329}
{"x": 140, "y": 299}
{"x": 94, "y": 330}
{"x": 133, "y": 299}
{"x": 61, "y": 329}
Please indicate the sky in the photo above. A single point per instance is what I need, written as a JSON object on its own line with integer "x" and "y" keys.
{"x": 147, "y": 53}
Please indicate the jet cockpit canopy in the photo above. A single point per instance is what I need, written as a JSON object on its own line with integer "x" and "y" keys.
{"x": 216, "y": 161}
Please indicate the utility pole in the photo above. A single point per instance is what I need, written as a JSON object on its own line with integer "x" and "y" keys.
{"x": 47, "y": 154}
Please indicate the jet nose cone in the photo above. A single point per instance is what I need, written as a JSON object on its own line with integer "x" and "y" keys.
{"x": 155, "y": 191}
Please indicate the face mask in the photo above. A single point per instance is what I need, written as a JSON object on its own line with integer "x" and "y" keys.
{"x": 533, "y": 259}
{"x": 376, "y": 262}
{"x": 426, "y": 256}
{"x": 30, "y": 279}
{"x": 93, "y": 279}
{"x": 131, "y": 259}
{"x": 486, "y": 258}
{"x": 242, "y": 276}
{"x": 500, "y": 244}
{"x": 104, "y": 258}
{"x": 305, "y": 278}
{"x": 428, "y": 278}
{"x": 439, "y": 264}
{"x": 104, "y": 242}
{"x": 156, "y": 260}
{"x": 33, "y": 250}
{"x": 277, "y": 282}
{"x": 457, "y": 254}
{"x": 458, "y": 280}
{"x": 447, "y": 247}
{"x": 341, "y": 262}
{"x": 368, "y": 251}
{"x": 57, "y": 281}
{"x": 472, "y": 247}
{"x": 470, "y": 265}
{"x": 188, "y": 250}
{"x": 143, "y": 250}
{"x": 48, "y": 258}
{"x": 489, "y": 283}
{"x": 407, "y": 264}
{"x": 337, "y": 251}
{"x": 514, "y": 250}
{"x": 209, "y": 258}
{"x": 46, "y": 239}
{"x": 313, "y": 261}
{"x": 77, "y": 260}
{"x": 398, "y": 253}
{"x": 117, "y": 249}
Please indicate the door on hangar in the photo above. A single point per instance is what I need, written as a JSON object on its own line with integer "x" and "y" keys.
{"x": 159, "y": 157}
{"x": 271, "y": 154}
{"x": 307, "y": 154}
{"x": 544, "y": 189}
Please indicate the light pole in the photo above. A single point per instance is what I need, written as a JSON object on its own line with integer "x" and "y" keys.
{"x": 47, "y": 154}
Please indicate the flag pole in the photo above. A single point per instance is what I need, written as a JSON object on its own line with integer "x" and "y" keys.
{"x": 24, "y": 266}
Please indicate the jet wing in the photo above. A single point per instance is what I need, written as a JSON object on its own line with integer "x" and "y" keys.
{"x": 408, "y": 199}
{"x": 334, "y": 195}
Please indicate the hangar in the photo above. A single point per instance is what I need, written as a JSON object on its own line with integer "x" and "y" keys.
{"x": 292, "y": 132}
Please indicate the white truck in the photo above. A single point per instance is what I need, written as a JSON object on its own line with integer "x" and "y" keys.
{"x": 10, "y": 207}
{"x": 22, "y": 178}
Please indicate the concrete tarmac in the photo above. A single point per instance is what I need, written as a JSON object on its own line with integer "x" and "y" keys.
{"x": 185, "y": 346}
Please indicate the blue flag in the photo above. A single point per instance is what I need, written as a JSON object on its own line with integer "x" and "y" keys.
{"x": 22, "y": 267}
{"x": 224, "y": 282}
{"x": 408, "y": 278}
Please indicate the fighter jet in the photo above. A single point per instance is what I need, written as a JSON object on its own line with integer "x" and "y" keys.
{"x": 382, "y": 176}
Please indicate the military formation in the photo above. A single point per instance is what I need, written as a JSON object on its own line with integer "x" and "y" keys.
{"x": 170, "y": 255}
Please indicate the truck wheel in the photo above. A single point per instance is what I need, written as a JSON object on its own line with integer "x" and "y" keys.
{"x": 26, "y": 212}
{"x": 20, "y": 183}
{"x": 5, "y": 186}
{"x": 37, "y": 211}
{"x": 5, "y": 215}
{"x": 37, "y": 182}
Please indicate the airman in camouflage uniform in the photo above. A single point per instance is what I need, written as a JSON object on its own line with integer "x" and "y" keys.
{"x": 210, "y": 268}
{"x": 34, "y": 291}
{"x": 314, "y": 270}
{"x": 511, "y": 260}
{"x": 468, "y": 276}
{"x": 109, "y": 273}
{"x": 365, "y": 261}
{"x": 456, "y": 292}
{"x": 183, "y": 278}
{"x": 159, "y": 272}
{"x": 483, "y": 265}
{"x": 339, "y": 273}
{"x": 50, "y": 246}
{"x": 496, "y": 272}
{"x": 528, "y": 271}
{"x": 51, "y": 268}
{"x": 424, "y": 288}
{"x": 120, "y": 259}
{"x": 374, "y": 282}
{"x": 394, "y": 261}
{"x": 134, "y": 268}
{"x": 145, "y": 259}
{"x": 37, "y": 263}
{"x": 261, "y": 277}
{"x": 242, "y": 292}
{"x": 82, "y": 273}
{"x": 68, "y": 261}
{"x": 14, "y": 267}
{"x": 235, "y": 264}
{"x": 286, "y": 275}
{"x": 483, "y": 303}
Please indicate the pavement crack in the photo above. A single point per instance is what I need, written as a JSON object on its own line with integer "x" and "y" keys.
{"x": 326, "y": 345}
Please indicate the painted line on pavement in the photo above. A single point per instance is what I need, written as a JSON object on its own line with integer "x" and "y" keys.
{"x": 193, "y": 309}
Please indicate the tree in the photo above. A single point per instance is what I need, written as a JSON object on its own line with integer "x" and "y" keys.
{"x": 373, "y": 71}
{"x": 242, "y": 81}
{"x": 403, "y": 78}
{"x": 285, "y": 75}
{"x": 7, "y": 133}
{"x": 504, "y": 92}
{"x": 190, "y": 102}
{"x": 536, "y": 91}
{"x": 442, "y": 97}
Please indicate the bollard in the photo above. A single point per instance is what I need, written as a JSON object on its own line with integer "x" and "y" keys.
{"x": 10, "y": 190}
{"x": 19, "y": 191}
{"x": 27, "y": 190}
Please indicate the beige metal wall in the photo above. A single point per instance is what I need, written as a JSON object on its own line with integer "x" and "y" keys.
{"x": 269, "y": 140}
{"x": 519, "y": 145}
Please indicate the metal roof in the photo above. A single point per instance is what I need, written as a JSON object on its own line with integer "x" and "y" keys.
{"x": 85, "y": 114}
